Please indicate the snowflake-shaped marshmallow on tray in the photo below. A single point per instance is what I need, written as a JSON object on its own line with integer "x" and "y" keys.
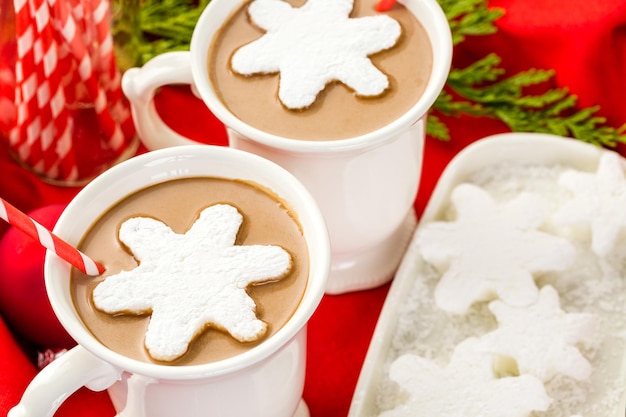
{"x": 316, "y": 44}
{"x": 491, "y": 250}
{"x": 599, "y": 200}
{"x": 188, "y": 281}
{"x": 467, "y": 387}
{"x": 541, "y": 338}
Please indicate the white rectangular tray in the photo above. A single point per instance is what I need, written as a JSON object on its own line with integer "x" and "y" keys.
{"x": 374, "y": 389}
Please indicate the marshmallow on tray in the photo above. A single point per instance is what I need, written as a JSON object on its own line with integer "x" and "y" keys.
{"x": 598, "y": 202}
{"x": 541, "y": 338}
{"x": 188, "y": 281}
{"x": 316, "y": 44}
{"x": 466, "y": 387}
{"x": 491, "y": 250}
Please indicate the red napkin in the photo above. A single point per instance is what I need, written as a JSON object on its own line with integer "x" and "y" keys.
{"x": 16, "y": 370}
{"x": 585, "y": 42}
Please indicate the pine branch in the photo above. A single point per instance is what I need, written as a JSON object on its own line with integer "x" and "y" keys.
{"x": 437, "y": 129}
{"x": 165, "y": 26}
{"x": 484, "y": 91}
{"x": 469, "y": 18}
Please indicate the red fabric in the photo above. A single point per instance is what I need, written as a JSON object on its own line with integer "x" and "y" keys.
{"x": 583, "y": 41}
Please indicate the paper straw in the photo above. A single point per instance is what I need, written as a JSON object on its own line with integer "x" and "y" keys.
{"x": 385, "y": 5}
{"x": 43, "y": 132}
{"x": 65, "y": 47}
{"x": 67, "y": 252}
{"x": 71, "y": 33}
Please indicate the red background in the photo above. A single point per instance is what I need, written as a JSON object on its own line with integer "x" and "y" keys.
{"x": 583, "y": 41}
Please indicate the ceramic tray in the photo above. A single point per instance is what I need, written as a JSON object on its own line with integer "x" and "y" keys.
{"x": 409, "y": 323}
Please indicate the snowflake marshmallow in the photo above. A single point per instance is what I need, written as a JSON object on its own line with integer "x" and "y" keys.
{"x": 466, "y": 387}
{"x": 541, "y": 338}
{"x": 491, "y": 250}
{"x": 314, "y": 45}
{"x": 599, "y": 200}
{"x": 188, "y": 281}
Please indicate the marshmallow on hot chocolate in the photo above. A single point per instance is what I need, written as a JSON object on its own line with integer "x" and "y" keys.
{"x": 491, "y": 250}
{"x": 192, "y": 280}
{"x": 314, "y": 45}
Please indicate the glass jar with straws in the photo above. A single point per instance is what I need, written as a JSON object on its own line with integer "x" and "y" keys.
{"x": 64, "y": 114}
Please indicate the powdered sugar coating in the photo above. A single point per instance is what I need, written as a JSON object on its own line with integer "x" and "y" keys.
{"x": 316, "y": 44}
{"x": 192, "y": 280}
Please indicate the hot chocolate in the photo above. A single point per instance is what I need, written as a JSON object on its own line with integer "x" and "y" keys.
{"x": 337, "y": 112}
{"x": 178, "y": 203}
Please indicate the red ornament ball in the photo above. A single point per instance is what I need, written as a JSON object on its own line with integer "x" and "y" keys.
{"x": 24, "y": 303}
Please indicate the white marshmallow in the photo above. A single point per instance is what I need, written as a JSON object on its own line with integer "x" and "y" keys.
{"x": 316, "y": 44}
{"x": 491, "y": 250}
{"x": 598, "y": 201}
{"x": 541, "y": 338}
{"x": 466, "y": 387}
{"x": 188, "y": 281}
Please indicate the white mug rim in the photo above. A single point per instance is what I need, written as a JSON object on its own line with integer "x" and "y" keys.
{"x": 441, "y": 42}
{"x": 317, "y": 240}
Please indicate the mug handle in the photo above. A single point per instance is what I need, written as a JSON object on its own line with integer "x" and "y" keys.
{"x": 139, "y": 86}
{"x": 61, "y": 378}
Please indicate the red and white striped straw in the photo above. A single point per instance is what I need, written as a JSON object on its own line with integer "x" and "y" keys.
{"x": 65, "y": 57}
{"x": 72, "y": 19}
{"x": 67, "y": 252}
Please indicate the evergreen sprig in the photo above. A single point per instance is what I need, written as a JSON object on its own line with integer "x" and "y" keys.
{"x": 481, "y": 89}
{"x": 469, "y": 18}
{"x": 167, "y": 25}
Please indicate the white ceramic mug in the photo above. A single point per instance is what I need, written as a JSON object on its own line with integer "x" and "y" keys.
{"x": 365, "y": 185}
{"x": 266, "y": 381}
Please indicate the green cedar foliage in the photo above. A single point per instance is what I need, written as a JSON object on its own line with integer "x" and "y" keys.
{"x": 482, "y": 89}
